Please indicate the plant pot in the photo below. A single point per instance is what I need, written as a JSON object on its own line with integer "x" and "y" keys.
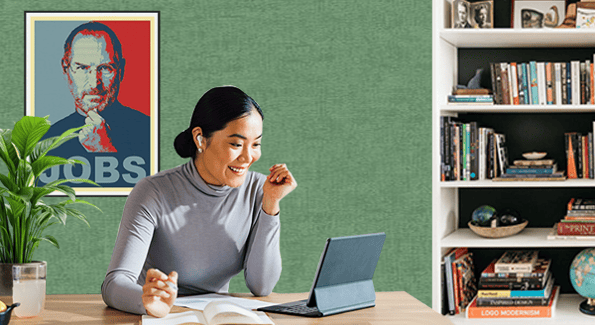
{"x": 6, "y": 277}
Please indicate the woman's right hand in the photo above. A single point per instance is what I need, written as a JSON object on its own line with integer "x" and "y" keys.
{"x": 158, "y": 297}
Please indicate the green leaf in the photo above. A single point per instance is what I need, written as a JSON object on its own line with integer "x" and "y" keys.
{"x": 61, "y": 139}
{"x": 46, "y": 162}
{"x": 66, "y": 190}
{"x": 27, "y": 132}
{"x": 51, "y": 240}
{"x": 61, "y": 181}
{"x": 77, "y": 214}
{"x": 24, "y": 175}
{"x": 82, "y": 202}
{"x": 7, "y": 152}
{"x": 8, "y": 183}
{"x": 44, "y": 145}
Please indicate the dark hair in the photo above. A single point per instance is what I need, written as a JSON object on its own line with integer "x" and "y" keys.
{"x": 214, "y": 110}
{"x": 92, "y": 28}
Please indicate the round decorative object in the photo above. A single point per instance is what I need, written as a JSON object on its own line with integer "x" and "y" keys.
{"x": 534, "y": 155}
{"x": 582, "y": 277}
{"x": 509, "y": 217}
{"x": 498, "y": 232}
{"x": 483, "y": 215}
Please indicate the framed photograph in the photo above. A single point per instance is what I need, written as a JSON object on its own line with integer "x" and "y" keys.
{"x": 538, "y": 13}
{"x": 585, "y": 15}
{"x": 466, "y": 14}
{"x": 98, "y": 71}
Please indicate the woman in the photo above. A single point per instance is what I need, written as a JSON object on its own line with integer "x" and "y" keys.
{"x": 206, "y": 220}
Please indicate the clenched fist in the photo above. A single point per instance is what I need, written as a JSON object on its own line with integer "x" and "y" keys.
{"x": 93, "y": 137}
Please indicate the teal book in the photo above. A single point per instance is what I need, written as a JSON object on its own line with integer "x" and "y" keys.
{"x": 533, "y": 78}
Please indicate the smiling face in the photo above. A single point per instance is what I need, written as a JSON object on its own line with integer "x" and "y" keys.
{"x": 92, "y": 75}
{"x": 229, "y": 152}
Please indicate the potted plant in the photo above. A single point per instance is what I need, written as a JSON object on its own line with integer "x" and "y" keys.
{"x": 23, "y": 214}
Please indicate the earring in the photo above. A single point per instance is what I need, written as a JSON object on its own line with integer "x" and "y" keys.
{"x": 199, "y": 150}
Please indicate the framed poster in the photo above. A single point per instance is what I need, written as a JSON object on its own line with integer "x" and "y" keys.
{"x": 99, "y": 71}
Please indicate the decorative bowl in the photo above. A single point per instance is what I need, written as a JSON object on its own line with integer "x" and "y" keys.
{"x": 534, "y": 155}
{"x": 498, "y": 232}
{"x": 5, "y": 315}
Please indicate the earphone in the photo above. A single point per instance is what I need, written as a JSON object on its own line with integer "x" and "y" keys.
{"x": 199, "y": 138}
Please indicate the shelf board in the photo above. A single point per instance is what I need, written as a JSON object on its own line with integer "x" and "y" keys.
{"x": 566, "y": 313}
{"x": 523, "y": 38}
{"x": 462, "y": 108}
{"x": 529, "y": 237}
{"x": 492, "y": 184}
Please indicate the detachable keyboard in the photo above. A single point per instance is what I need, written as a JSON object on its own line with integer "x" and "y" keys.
{"x": 293, "y": 308}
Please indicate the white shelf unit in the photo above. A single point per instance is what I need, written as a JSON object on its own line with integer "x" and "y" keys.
{"x": 445, "y": 195}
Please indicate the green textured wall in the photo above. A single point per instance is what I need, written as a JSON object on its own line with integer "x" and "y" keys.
{"x": 345, "y": 88}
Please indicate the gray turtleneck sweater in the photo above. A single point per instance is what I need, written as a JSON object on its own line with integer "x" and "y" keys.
{"x": 174, "y": 221}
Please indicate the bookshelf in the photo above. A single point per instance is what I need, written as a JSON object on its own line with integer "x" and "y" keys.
{"x": 452, "y": 200}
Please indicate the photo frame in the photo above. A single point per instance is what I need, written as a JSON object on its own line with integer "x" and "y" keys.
{"x": 466, "y": 14}
{"x": 538, "y": 13}
{"x": 585, "y": 15}
{"x": 99, "y": 71}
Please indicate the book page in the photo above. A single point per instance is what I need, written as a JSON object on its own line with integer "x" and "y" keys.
{"x": 188, "y": 317}
{"x": 223, "y": 312}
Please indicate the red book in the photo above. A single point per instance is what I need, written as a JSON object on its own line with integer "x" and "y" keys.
{"x": 473, "y": 311}
{"x": 576, "y": 228}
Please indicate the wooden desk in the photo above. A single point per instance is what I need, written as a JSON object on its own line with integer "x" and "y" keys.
{"x": 391, "y": 308}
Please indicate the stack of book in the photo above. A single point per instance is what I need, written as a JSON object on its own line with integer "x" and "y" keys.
{"x": 543, "y": 83}
{"x": 579, "y": 220}
{"x": 480, "y": 96}
{"x": 579, "y": 154}
{"x": 533, "y": 170}
{"x": 460, "y": 284}
{"x": 518, "y": 284}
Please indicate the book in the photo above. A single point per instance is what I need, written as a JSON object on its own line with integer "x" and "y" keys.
{"x": 539, "y": 293}
{"x": 502, "y": 152}
{"x": 571, "y": 154}
{"x": 467, "y": 282}
{"x": 534, "y": 86}
{"x": 564, "y": 84}
{"x": 449, "y": 259}
{"x": 538, "y": 162}
{"x": 532, "y": 170}
{"x": 549, "y": 84}
{"x": 581, "y": 204}
{"x": 482, "y": 99}
{"x": 522, "y": 83}
{"x": 516, "y": 261}
{"x": 553, "y": 235}
{"x": 537, "y": 300}
{"x": 514, "y": 83}
{"x": 556, "y": 176}
{"x": 557, "y": 76}
{"x": 540, "y": 270}
{"x": 541, "y": 83}
{"x": 576, "y": 228}
{"x": 465, "y": 91}
{"x": 474, "y": 311}
{"x": 215, "y": 313}
{"x": 506, "y": 94}
{"x": 576, "y": 82}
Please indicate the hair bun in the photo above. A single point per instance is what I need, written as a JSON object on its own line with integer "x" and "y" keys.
{"x": 184, "y": 144}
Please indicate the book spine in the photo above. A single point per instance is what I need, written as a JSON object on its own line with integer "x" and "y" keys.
{"x": 576, "y": 228}
{"x": 505, "y": 83}
{"x": 549, "y": 85}
{"x": 470, "y": 99}
{"x": 583, "y": 75}
{"x": 569, "y": 82}
{"x": 493, "y": 302}
{"x": 534, "y": 87}
{"x": 498, "y": 74}
{"x": 558, "y": 83}
{"x": 473, "y": 149}
{"x": 564, "y": 85}
{"x": 577, "y": 143}
{"x": 575, "y": 67}
{"x": 530, "y": 170}
{"x": 493, "y": 78}
{"x": 541, "y": 83}
{"x": 514, "y": 83}
{"x": 511, "y": 284}
{"x": 521, "y": 71}
{"x": 570, "y": 156}
{"x": 591, "y": 164}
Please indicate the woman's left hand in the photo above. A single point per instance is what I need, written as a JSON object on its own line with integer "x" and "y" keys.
{"x": 280, "y": 182}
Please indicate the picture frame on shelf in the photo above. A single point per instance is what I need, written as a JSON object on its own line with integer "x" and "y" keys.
{"x": 585, "y": 15}
{"x": 467, "y": 14}
{"x": 538, "y": 13}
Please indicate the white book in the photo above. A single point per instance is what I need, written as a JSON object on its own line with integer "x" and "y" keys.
{"x": 514, "y": 81}
{"x": 528, "y": 74}
{"x": 511, "y": 92}
{"x": 541, "y": 83}
{"x": 482, "y": 155}
{"x": 216, "y": 312}
{"x": 575, "y": 71}
{"x": 558, "y": 83}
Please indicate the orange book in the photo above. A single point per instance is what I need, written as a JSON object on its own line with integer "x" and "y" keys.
{"x": 592, "y": 86}
{"x": 571, "y": 163}
{"x": 549, "y": 83}
{"x": 515, "y": 311}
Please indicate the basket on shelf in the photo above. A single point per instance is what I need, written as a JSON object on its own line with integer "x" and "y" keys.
{"x": 498, "y": 232}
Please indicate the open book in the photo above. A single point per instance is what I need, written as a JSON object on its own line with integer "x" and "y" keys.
{"x": 215, "y": 313}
